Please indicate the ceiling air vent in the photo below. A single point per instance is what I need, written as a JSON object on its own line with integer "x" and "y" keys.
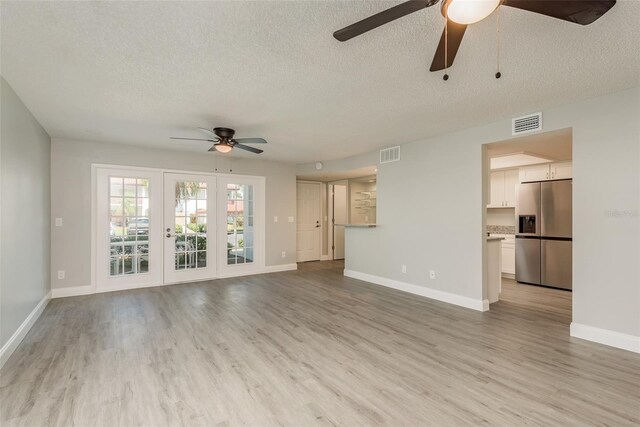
{"x": 526, "y": 124}
{"x": 389, "y": 155}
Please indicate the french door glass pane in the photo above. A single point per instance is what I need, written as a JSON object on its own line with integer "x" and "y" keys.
{"x": 239, "y": 224}
{"x": 190, "y": 225}
{"x": 128, "y": 225}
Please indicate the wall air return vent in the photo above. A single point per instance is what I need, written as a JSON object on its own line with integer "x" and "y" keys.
{"x": 526, "y": 124}
{"x": 389, "y": 155}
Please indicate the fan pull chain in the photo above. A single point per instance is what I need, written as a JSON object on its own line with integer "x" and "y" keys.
{"x": 446, "y": 49}
{"x": 498, "y": 74}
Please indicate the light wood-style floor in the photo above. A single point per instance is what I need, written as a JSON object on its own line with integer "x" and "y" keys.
{"x": 308, "y": 348}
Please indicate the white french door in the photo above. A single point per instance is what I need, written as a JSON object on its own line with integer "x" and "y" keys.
{"x": 189, "y": 229}
{"x": 154, "y": 227}
{"x": 241, "y": 224}
{"x": 129, "y": 229}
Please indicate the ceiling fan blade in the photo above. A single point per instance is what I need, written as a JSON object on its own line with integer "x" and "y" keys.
{"x": 580, "y": 12}
{"x": 382, "y": 18}
{"x": 194, "y": 139}
{"x": 213, "y": 148}
{"x": 455, "y": 33}
{"x": 250, "y": 140}
{"x": 208, "y": 132}
{"x": 247, "y": 148}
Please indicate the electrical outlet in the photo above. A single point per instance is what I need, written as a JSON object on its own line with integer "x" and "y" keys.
{"x": 284, "y": 254}
{"x": 275, "y": 219}
{"x": 58, "y": 222}
{"x": 404, "y": 268}
{"x": 60, "y": 274}
{"x": 432, "y": 274}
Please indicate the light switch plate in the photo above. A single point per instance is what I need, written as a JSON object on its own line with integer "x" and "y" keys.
{"x": 275, "y": 219}
{"x": 290, "y": 219}
{"x": 58, "y": 222}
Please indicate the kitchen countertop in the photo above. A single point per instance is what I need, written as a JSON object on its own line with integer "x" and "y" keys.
{"x": 493, "y": 239}
{"x": 358, "y": 225}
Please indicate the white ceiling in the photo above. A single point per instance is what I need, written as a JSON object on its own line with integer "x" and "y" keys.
{"x": 140, "y": 72}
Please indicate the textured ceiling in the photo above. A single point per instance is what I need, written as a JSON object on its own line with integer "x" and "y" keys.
{"x": 140, "y": 72}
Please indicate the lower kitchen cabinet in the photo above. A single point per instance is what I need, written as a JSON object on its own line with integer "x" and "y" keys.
{"x": 508, "y": 258}
{"x": 508, "y": 250}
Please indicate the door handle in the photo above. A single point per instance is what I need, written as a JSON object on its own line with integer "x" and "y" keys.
{"x": 169, "y": 235}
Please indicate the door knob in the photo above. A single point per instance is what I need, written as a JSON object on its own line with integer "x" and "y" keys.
{"x": 169, "y": 235}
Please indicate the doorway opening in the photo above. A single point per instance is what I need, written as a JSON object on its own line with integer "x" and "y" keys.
{"x": 326, "y": 203}
{"x": 528, "y": 222}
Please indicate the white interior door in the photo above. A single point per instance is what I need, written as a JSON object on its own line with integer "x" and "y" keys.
{"x": 339, "y": 217}
{"x": 308, "y": 225}
{"x": 128, "y": 229}
{"x": 189, "y": 227}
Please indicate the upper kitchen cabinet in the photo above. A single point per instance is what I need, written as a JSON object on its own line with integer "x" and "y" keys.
{"x": 546, "y": 172}
{"x": 534, "y": 173}
{"x": 562, "y": 170}
{"x": 503, "y": 189}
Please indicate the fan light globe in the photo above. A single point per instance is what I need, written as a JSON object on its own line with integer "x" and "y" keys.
{"x": 223, "y": 148}
{"x": 469, "y": 11}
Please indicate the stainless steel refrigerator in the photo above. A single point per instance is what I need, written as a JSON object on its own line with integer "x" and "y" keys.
{"x": 543, "y": 233}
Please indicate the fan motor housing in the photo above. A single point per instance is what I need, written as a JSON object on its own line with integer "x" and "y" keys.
{"x": 225, "y": 133}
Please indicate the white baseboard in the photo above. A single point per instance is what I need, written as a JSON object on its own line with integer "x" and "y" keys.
{"x": 325, "y": 258}
{"x": 17, "y": 337}
{"x": 606, "y": 337}
{"x": 508, "y": 276}
{"x": 88, "y": 289}
{"x": 282, "y": 267}
{"x": 72, "y": 291}
{"x": 474, "y": 304}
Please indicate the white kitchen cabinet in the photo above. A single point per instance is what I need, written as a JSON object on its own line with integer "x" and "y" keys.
{"x": 534, "y": 173}
{"x": 503, "y": 189}
{"x": 510, "y": 183}
{"x": 546, "y": 172}
{"x": 562, "y": 170}
{"x": 508, "y": 258}
{"x": 508, "y": 252}
{"x": 497, "y": 189}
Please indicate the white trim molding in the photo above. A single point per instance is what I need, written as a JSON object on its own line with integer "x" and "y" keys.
{"x": 606, "y": 337}
{"x": 325, "y": 258}
{"x": 281, "y": 267}
{"x": 474, "y": 304}
{"x": 17, "y": 337}
{"x": 72, "y": 291}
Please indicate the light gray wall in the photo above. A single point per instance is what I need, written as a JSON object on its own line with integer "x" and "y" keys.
{"x": 71, "y": 198}
{"x": 431, "y": 208}
{"x": 24, "y": 212}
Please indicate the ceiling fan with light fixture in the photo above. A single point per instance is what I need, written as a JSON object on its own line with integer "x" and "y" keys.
{"x": 461, "y": 13}
{"x": 224, "y": 142}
